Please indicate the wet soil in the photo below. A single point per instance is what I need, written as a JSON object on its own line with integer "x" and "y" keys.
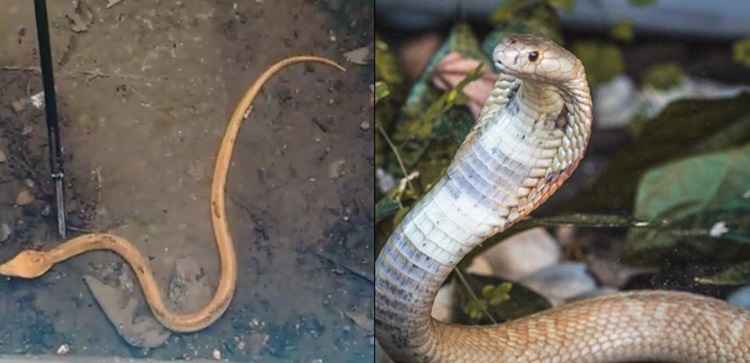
{"x": 144, "y": 92}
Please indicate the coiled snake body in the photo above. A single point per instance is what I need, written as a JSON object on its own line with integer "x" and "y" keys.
{"x": 531, "y": 134}
{"x": 32, "y": 263}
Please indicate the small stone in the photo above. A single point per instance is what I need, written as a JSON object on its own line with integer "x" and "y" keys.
{"x": 336, "y": 169}
{"x": 740, "y": 297}
{"x": 29, "y": 183}
{"x": 5, "y": 232}
{"x": 38, "y": 100}
{"x": 28, "y": 129}
{"x": 217, "y": 354}
{"x": 3, "y": 157}
{"x": 18, "y": 106}
{"x": 561, "y": 282}
{"x": 364, "y": 126}
{"x": 63, "y": 349}
{"x": 24, "y": 197}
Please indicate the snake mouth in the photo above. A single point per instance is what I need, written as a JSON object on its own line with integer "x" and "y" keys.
{"x": 499, "y": 65}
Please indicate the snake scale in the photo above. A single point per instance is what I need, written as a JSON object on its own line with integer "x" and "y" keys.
{"x": 32, "y": 263}
{"x": 531, "y": 134}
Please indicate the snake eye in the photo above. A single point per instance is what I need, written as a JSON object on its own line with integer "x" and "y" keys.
{"x": 533, "y": 56}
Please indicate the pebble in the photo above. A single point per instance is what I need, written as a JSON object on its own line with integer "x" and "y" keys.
{"x": 63, "y": 349}
{"x": 217, "y": 354}
{"x": 364, "y": 126}
{"x": 24, "y": 197}
{"x": 18, "y": 106}
{"x": 5, "y": 232}
{"x": 617, "y": 102}
{"x": 740, "y": 297}
{"x": 520, "y": 255}
{"x": 442, "y": 309}
{"x": 3, "y": 157}
{"x": 336, "y": 169}
{"x": 561, "y": 282}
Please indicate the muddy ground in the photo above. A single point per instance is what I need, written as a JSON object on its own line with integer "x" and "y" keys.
{"x": 144, "y": 91}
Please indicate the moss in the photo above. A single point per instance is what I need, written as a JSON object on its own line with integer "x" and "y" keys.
{"x": 664, "y": 76}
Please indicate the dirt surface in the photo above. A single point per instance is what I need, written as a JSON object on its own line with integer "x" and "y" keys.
{"x": 144, "y": 91}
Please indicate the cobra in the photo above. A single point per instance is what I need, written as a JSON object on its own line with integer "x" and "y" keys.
{"x": 530, "y": 136}
{"x": 32, "y": 264}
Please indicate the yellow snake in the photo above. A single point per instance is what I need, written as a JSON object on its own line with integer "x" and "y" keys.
{"x": 31, "y": 263}
{"x": 531, "y": 134}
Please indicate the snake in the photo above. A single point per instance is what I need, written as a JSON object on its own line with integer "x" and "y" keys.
{"x": 530, "y": 136}
{"x": 31, "y": 263}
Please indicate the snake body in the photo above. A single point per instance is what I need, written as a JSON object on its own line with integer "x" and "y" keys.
{"x": 530, "y": 136}
{"x": 33, "y": 263}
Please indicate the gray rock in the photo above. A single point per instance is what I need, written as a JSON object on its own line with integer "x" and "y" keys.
{"x": 561, "y": 282}
{"x": 139, "y": 331}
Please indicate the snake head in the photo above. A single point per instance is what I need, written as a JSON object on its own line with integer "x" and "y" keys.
{"x": 28, "y": 264}
{"x": 534, "y": 58}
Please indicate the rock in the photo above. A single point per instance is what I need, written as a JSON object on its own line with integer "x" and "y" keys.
{"x": 361, "y": 320}
{"x": 617, "y": 101}
{"x": 120, "y": 308}
{"x": 364, "y": 126}
{"x": 63, "y": 349}
{"x": 740, "y": 297}
{"x": 188, "y": 290}
{"x": 481, "y": 266}
{"x": 522, "y": 254}
{"x": 359, "y": 56}
{"x": 18, "y": 106}
{"x": 24, "y": 197}
{"x": 216, "y": 354}
{"x": 3, "y": 157}
{"x": 561, "y": 282}
{"x": 5, "y": 232}
{"x": 256, "y": 342}
{"x": 442, "y": 309}
{"x": 336, "y": 169}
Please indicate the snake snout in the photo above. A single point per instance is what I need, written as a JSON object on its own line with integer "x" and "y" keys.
{"x": 28, "y": 264}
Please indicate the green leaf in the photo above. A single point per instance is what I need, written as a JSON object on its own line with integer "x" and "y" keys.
{"x": 386, "y": 65}
{"x": 603, "y": 61}
{"x": 502, "y": 299}
{"x": 738, "y": 274}
{"x": 496, "y": 295}
{"x": 506, "y": 11}
{"x": 704, "y": 197}
{"x": 381, "y": 91}
{"x": 664, "y": 76}
{"x": 685, "y": 128}
{"x": 642, "y": 2}
{"x": 565, "y": 5}
{"x": 623, "y": 31}
{"x": 741, "y": 52}
{"x": 386, "y": 207}
{"x": 475, "y": 309}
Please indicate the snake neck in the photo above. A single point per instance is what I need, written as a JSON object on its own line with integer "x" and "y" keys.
{"x": 515, "y": 159}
